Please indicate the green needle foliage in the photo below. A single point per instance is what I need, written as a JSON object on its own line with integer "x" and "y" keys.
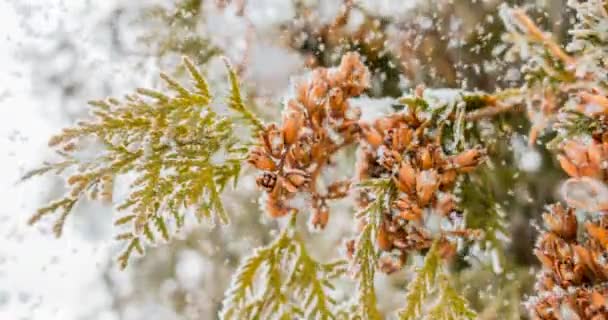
{"x": 282, "y": 281}
{"x": 449, "y": 305}
{"x": 236, "y": 104}
{"x": 366, "y": 255}
{"x": 179, "y": 152}
{"x": 365, "y": 259}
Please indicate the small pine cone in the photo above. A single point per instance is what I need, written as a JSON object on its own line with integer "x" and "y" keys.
{"x": 267, "y": 181}
{"x": 578, "y": 268}
{"x": 398, "y": 138}
{"x": 338, "y": 189}
{"x": 425, "y": 158}
{"x": 579, "y": 303}
{"x": 448, "y": 178}
{"x": 556, "y": 255}
{"x": 316, "y": 94}
{"x": 300, "y": 153}
{"x": 411, "y": 237}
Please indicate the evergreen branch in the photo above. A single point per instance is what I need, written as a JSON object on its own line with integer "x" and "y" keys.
{"x": 366, "y": 256}
{"x": 365, "y": 260}
{"x": 419, "y": 289}
{"x": 450, "y": 305}
{"x": 46, "y": 168}
{"x": 490, "y": 111}
{"x": 167, "y": 140}
{"x": 282, "y": 280}
{"x": 537, "y": 35}
{"x": 235, "y": 103}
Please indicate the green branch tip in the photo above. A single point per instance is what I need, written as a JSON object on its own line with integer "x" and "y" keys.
{"x": 236, "y": 104}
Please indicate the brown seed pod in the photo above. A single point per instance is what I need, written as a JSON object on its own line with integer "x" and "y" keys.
{"x": 427, "y": 183}
{"x": 259, "y": 159}
{"x": 425, "y": 158}
{"x": 371, "y": 136}
{"x": 406, "y": 181}
{"x": 568, "y": 166}
{"x": 295, "y": 179}
{"x": 598, "y": 233}
{"x": 292, "y": 122}
{"x": 338, "y": 189}
{"x": 320, "y": 217}
{"x": 468, "y": 160}
{"x": 267, "y": 181}
{"x": 300, "y": 154}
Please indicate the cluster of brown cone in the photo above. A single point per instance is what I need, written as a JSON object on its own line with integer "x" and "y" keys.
{"x": 399, "y": 147}
{"x": 572, "y": 284}
{"x": 317, "y": 122}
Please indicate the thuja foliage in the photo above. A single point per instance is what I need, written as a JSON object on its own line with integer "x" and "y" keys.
{"x": 421, "y": 188}
{"x": 177, "y": 151}
{"x": 292, "y": 284}
{"x": 449, "y": 305}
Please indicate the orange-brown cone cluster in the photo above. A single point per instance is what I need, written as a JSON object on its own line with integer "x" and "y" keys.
{"x": 398, "y": 148}
{"x": 319, "y": 120}
{"x": 316, "y": 123}
{"x": 574, "y": 280}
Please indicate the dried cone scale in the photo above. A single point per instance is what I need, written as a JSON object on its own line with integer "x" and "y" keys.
{"x": 573, "y": 283}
